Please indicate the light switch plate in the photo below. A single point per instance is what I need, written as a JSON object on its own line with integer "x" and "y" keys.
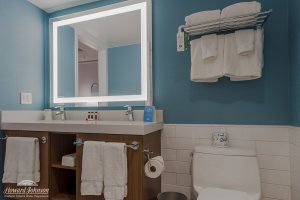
{"x": 26, "y": 98}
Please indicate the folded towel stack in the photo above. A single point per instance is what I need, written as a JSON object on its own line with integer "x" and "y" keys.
{"x": 203, "y": 17}
{"x": 22, "y": 160}
{"x": 104, "y": 163}
{"x": 241, "y": 67}
{"x": 240, "y": 9}
{"x": 238, "y": 55}
{"x": 243, "y": 51}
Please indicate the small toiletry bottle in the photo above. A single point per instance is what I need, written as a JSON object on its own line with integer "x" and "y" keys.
{"x": 96, "y": 115}
{"x": 92, "y": 116}
{"x": 89, "y": 116}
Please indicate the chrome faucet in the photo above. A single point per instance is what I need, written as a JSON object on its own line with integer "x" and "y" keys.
{"x": 129, "y": 112}
{"x": 61, "y": 112}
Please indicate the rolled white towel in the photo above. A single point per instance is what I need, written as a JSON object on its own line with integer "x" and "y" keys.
{"x": 245, "y": 41}
{"x": 242, "y": 8}
{"x": 209, "y": 46}
{"x": 202, "y": 17}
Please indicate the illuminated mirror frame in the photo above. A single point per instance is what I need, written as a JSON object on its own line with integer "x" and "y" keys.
{"x": 145, "y": 8}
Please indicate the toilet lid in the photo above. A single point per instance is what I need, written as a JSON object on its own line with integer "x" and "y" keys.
{"x": 223, "y": 194}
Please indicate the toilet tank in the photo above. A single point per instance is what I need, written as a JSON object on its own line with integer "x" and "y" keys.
{"x": 227, "y": 168}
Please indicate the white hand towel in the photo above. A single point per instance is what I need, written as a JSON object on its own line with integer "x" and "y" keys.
{"x": 209, "y": 46}
{"x": 245, "y": 41}
{"x": 243, "y": 67}
{"x": 11, "y": 161}
{"x": 203, "y": 17}
{"x": 29, "y": 160}
{"x": 22, "y": 160}
{"x": 239, "y": 9}
{"x": 115, "y": 171}
{"x": 208, "y": 70}
{"x": 92, "y": 168}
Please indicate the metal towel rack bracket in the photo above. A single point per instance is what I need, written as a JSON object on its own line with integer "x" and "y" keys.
{"x": 148, "y": 153}
{"x": 134, "y": 145}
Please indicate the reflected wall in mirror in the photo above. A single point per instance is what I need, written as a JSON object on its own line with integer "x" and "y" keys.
{"x": 102, "y": 57}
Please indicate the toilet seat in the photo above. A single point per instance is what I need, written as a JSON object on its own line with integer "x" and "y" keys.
{"x": 224, "y": 194}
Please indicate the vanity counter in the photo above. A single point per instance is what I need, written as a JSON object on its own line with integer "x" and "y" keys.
{"x": 81, "y": 126}
{"x": 57, "y": 139}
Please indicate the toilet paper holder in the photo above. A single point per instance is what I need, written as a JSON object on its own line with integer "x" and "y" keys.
{"x": 148, "y": 153}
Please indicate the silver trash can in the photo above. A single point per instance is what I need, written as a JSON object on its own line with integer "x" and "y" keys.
{"x": 171, "y": 196}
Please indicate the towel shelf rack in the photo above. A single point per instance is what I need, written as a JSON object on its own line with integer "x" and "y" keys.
{"x": 134, "y": 145}
{"x": 249, "y": 21}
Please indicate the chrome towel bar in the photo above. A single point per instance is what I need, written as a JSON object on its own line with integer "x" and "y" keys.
{"x": 134, "y": 145}
{"x": 43, "y": 139}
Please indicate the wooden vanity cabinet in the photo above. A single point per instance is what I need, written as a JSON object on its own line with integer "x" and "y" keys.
{"x": 139, "y": 186}
{"x": 64, "y": 182}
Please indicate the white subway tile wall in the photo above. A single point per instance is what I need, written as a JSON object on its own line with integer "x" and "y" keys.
{"x": 270, "y": 142}
{"x": 295, "y": 162}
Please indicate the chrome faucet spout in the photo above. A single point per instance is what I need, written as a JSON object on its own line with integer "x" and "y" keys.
{"x": 61, "y": 112}
{"x": 129, "y": 112}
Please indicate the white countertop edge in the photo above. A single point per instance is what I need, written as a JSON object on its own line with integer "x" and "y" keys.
{"x": 99, "y": 128}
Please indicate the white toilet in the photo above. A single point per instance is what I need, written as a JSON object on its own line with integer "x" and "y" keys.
{"x": 225, "y": 174}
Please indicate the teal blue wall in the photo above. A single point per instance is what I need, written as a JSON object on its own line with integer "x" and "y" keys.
{"x": 66, "y": 61}
{"x": 294, "y": 37}
{"x": 22, "y": 57}
{"x": 124, "y": 71}
{"x": 21, "y": 54}
{"x": 263, "y": 101}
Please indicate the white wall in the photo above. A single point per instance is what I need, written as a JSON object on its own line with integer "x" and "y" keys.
{"x": 270, "y": 142}
{"x": 295, "y": 162}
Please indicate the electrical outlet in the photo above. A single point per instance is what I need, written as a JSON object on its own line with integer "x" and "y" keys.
{"x": 26, "y": 98}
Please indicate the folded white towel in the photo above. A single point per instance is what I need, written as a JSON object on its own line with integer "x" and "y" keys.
{"x": 203, "y": 17}
{"x": 29, "y": 160}
{"x": 115, "y": 171}
{"x": 208, "y": 70}
{"x": 11, "y": 161}
{"x": 245, "y": 41}
{"x": 209, "y": 46}
{"x": 243, "y": 67}
{"x": 92, "y": 168}
{"x": 240, "y": 9}
{"x": 22, "y": 160}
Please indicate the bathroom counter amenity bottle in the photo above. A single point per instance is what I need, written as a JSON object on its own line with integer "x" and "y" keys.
{"x": 149, "y": 114}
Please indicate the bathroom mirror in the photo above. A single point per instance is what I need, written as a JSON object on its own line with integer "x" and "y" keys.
{"x": 102, "y": 56}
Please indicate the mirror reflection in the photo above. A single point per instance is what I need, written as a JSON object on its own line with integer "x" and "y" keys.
{"x": 100, "y": 57}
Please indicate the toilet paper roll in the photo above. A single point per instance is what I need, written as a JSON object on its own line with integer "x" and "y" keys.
{"x": 156, "y": 168}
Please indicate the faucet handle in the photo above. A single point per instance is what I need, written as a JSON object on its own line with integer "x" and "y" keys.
{"x": 59, "y": 106}
{"x": 129, "y": 107}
